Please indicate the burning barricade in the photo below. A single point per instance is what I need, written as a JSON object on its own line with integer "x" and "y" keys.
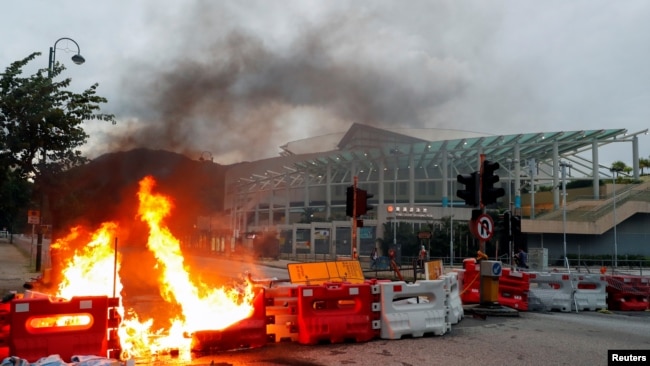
{"x": 82, "y": 311}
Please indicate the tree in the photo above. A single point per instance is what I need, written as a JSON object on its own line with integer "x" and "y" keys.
{"x": 41, "y": 123}
{"x": 14, "y": 197}
{"x": 309, "y": 215}
{"x": 644, "y": 163}
{"x": 617, "y": 167}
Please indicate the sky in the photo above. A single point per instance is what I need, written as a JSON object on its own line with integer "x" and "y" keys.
{"x": 235, "y": 80}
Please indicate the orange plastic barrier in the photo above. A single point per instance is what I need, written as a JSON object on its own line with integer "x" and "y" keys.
{"x": 471, "y": 293}
{"x": 282, "y": 312}
{"x": 5, "y": 328}
{"x": 40, "y": 327}
{"x": 513, "y": 289}
{"x": 626, "y": 293}
{"x": 643, "y": 285}
{"x": 247, "y": 333}
{"x": 337, "y": 312}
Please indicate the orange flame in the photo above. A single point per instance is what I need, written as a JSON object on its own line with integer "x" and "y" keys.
{"x": 90, "y": 271}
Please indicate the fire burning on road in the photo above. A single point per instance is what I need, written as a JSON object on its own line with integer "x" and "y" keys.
{"x": 89, "y": 263}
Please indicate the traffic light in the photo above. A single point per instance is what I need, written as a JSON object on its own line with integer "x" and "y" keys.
{"x": 471, "y": 193}
{"x": 362, "y": 202}
{"x": 349, "y": 201}
{"x": 489, "y": 194}
{"x": 515, "y": 230}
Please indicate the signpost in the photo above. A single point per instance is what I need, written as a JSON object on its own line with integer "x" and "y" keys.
{"x": 33, "y": 218}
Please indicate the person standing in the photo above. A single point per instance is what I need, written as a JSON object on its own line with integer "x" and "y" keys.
{"x": 422, "y": 257}
{"x": 373, "y": 258}
{"x": 521, "y": 259}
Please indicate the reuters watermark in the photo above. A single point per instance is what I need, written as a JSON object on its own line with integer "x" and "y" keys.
{"x": 628, "y": 357}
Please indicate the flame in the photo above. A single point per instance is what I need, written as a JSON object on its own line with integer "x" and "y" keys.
{"x": 90, "y": 270}
{"x": 93, "y": 270}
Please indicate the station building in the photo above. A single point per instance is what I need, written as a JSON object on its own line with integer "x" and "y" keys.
{"x": 412, "y": 176}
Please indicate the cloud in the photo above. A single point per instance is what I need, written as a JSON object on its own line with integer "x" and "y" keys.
{"x": 239, "y": 91}
{"x": 240, "y": 79}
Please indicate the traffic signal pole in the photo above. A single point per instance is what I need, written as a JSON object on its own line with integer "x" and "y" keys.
{"x": 355, "y": 256}
{"x": 481, "y": 242}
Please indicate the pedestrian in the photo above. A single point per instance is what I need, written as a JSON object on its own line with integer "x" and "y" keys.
{"x": 422, "y": 257}
{"x": 521, "y": 259}
{"x": 373, "y": 258}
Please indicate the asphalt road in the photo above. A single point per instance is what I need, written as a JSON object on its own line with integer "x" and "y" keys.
{"x": 551, "y": 338}
{"x": 531, "y": 339}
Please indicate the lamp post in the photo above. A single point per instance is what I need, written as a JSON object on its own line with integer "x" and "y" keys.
{"x": 511, "y": 208}
{"x": 614, "y": 176}
{"x": 532, "y": 165}
{"x": 77, "y": 59}
{"x": 398, "y": 248}
{"x": 399, "y": 252}
{"x": 451, "y": 216}
{"x": 564, "y": 165}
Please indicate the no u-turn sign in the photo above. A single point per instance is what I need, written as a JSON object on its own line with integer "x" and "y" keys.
{"x": 482, "y": 227}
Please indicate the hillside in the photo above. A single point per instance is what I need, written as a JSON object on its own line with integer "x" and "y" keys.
{"x": 105, "y": 188}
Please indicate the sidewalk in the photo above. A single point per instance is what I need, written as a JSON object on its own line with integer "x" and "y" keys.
{"x": 15, "y": 268}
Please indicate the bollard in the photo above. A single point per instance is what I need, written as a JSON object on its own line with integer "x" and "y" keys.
{"x": 490, "y": 273}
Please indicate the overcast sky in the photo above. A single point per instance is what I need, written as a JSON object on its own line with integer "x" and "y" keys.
{"x": 238, "y": 79}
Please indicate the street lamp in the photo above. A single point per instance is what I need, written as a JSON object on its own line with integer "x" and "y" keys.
{"x": 564, "y": 165}
{"x": 451, "y": 216}
{"x": 398, "y": 248}
{"x": 614, "y": 176}
{"x": 77, "y": 59}
{"x": 511, "y": 207}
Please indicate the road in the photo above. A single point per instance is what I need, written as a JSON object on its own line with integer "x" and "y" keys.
{"x": 237, "y": 268}
{"x": 531, "y": 339}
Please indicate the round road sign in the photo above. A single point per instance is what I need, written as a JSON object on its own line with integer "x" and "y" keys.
{"x": 484, "y": 227}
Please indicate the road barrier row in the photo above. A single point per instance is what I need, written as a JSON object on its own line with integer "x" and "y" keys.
{"x": 539, "y": 291}
{"x": 33, "y": 326}
{"x": 337, "y": 312}
{"x": 333, "y": 312}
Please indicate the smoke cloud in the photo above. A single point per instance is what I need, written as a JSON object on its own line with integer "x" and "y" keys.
{"x": 239, "y": 97}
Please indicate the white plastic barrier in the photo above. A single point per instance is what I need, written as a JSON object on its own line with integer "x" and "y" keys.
{"x": 413, "y": 309}
{"x": 282, "y": 311}
{"x": 590, "y": 292}
{"x": 455, "y": 311}
{"x": 550, "y": 291}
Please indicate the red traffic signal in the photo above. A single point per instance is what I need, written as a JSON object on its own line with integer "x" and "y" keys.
{"x": 471, "y": 192}
{"x": 489, "y": 193}
{"x": 362, "y": 202}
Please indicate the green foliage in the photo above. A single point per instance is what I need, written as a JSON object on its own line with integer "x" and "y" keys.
{"x": 618, "y": 167}
{"x": 579, "y": 184}
{"x": 309, "y": 215}
{"x": 41, "y": 127}
{"x": 41, "y": 121}
{"x": 439, "y": 242}
{"x": 644, "y": 163}
{"x": 14, "y": 196}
